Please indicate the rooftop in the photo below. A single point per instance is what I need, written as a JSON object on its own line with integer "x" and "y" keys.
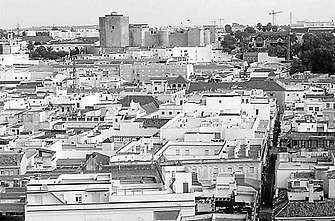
{"x": 10, "y": 159}
{"x": 266, "y": 85}
{"x": 308, "y": 209}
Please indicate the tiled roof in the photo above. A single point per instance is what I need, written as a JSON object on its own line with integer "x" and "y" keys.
{"x": 308, "y": 209}
{"x": 150, "y": 122}
{"x": 266, "y": 85}
{"x": 142, "y": 99}
{"x": 129, "y": 172}
{"x": 150, "y": 108}
{"x": 177, "y": 80}
{"x": 10, "y": 159}
{"x": 12, "y": 207}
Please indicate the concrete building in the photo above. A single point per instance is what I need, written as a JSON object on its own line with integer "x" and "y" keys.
{"x": 137, "y": 34}
{"x": 100, "y": 197}
{"x": 114, "y": 30}
{"x": 142, "y": 72}
{"x": 196, "y": 37}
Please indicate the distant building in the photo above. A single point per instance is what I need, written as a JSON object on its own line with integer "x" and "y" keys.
{"x": 114, "y": 30}
{"x": 101, "y": 196}
{"x": 137, "y": 34}
{"x": 313, "y": 26}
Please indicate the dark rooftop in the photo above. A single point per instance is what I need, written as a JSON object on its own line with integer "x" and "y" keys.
{"x": 10, "y": 159}
{"x": 142, "y": 99}
{"x": 308, "y": 209}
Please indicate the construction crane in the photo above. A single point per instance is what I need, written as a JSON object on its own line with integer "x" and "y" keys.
{"x": 213, "y": 21}
{"x": 274, "y": 16}
{"x": 221, "y": 20}
{"x": 218, "y": 20}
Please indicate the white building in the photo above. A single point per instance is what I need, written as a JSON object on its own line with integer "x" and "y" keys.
{"x": 99, "y": 197}
{"x": 193, "y": 54}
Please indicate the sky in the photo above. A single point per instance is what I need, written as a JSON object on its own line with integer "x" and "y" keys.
{"x": 29, "y": 13}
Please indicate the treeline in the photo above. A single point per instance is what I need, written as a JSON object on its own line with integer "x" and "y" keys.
{"x": 316, "y": 53}
{"x": 37, "y": 52}
{"x": 47, "y": 53}
{"x": 239, "y": 41}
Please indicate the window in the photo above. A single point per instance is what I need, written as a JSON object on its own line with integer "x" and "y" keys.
{"x": 220, "y": 101}
{"x": 252, "y": 169}
{"x": 317, "y": 108}
{"x": 257, "y": 111}
{"x": 173, "y": 175}
{"x": 79, "y": 198}
{"x": 240, "y": 169}
{"x": 296, "y": 183}
{"x": 185, "y": 187}
{"x": 177, "y": 152}
{"x": 230, "y": 169}
{"x": 215, "y": 172}
{"x": 187, "y": 152}
{"x": 206, "y": 152}
{"x": 170, "y": 112}
{"x": 163, "y": 113}
{"x": 310, "y": 108}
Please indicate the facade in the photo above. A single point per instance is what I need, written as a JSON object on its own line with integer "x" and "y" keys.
{"x": 99, "y": 197}
{"x": 114, "y": 31}
{"x": 137, "y": 34}
{"x": 142, "y": 72}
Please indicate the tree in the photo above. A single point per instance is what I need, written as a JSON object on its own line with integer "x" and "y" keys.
{"x": 250, "y": 30}
{"x": 274, "y": 28}
{"x": 30, "y": 46}
{"x": 228, "y": 28}
{"x": 240, "y": 35}
{"x": 3, "y": 33}
{"x": 316, "y": 54}
{"x": 322, "y": 61}
{"x": 264, "y": 28}
{"x": 74, "y": 51}
{"x": 269, "y": 27}
{"x": 278, "y": 51}
{"x": 259, "y": 26}
{"x": 297, "y": 66}
{"x": 229, "y": 43}
{"x": 47, "y": 53}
